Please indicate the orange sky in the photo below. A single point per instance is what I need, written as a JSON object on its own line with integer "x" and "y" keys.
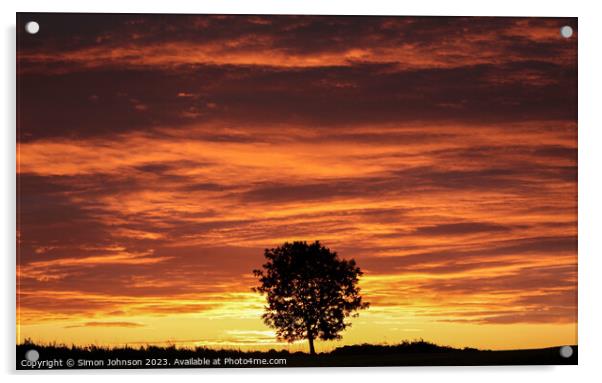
{"x": 159, "y": 155}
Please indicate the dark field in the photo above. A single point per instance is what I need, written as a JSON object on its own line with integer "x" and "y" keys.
{"x": 417, "y": 353}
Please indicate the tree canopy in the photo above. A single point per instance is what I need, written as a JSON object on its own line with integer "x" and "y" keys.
{"x": 310, "y": 292}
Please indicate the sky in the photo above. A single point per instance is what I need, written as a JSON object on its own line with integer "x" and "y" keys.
{"x": 159, "y": 155}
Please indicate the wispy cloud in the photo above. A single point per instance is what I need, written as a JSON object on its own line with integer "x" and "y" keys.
{"x": 106, "y": 324}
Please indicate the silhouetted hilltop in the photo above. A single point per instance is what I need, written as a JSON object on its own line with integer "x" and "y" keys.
{"x": 405, "y": 347}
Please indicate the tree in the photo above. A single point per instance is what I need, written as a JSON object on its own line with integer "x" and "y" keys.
{"x": 310, "y": 292}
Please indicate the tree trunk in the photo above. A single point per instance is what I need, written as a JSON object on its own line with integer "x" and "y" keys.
{"x": 312, "y": 351}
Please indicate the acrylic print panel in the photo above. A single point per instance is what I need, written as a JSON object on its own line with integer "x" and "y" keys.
{"x": 279, "y": 191}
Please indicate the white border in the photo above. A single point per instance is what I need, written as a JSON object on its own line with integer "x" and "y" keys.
{"x": 590, "y": 190}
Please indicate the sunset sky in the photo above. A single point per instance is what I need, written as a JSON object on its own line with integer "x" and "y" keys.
{"x": 158, "y": 155}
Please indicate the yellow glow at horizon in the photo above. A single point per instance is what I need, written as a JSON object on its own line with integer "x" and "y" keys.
{"x": 188, "y": 330}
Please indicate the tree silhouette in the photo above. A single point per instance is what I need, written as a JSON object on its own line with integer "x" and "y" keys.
{"x": 310, "y": 292}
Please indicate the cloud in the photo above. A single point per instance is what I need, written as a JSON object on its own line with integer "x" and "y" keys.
{"x": 460, "y": 228}
{"x": 299, "y": 41}
{"x": 312, "y": 70}
{"x": 380, "y": 93}
{"x": 473, "y": 253}
{"x": 107, "y": 324}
